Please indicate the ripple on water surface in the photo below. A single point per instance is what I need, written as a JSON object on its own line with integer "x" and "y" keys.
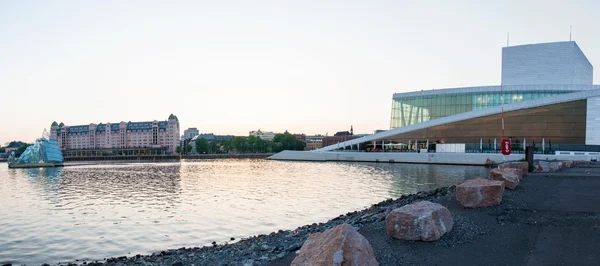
{"x": 96, "y": 211}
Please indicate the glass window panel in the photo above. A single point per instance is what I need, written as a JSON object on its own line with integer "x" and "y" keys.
{"x": 408, "y": 111}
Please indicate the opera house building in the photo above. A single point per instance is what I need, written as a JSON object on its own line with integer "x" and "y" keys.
{"x": 546, "y": 97}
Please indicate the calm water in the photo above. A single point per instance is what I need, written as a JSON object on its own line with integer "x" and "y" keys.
{"x": 97, "y": 211}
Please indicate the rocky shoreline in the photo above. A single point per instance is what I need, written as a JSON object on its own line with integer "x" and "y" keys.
{"x": 265, "y": 249}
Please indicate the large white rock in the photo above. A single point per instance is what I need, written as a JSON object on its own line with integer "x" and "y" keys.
{"x": 341, "y": 245}
{"x": 520, "y": 165}
{"x": 554, "y": 166}
{"x": 424, "y": 220}
{"x": 567, "y": 164}
{"x": 480, "y": 193}
{"x": 516, "y": 171}
{"x": 511, "y": 180}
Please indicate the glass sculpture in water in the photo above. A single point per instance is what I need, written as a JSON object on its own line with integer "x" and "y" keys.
{"x": 43, "y": 151}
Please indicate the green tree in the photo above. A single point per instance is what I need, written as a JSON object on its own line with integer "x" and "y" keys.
{"x": 2, "y": 150}
{"x": 260, "y": 145}
{"x": 287, "y": 141}
{"x": 14, "y": 144}
{"x": 277, "y": 147}
{"x": 189, "y": 148}
{"x": 239, "y": 144}
{"x": 21, "y": 149}
{"x": 213, "y": 147}
{"x": 226, "y": 146}
{"x": 299, "y": 145}
{"x": 178, "y": 149}
{"x": 252, "y": 143}
{"x": 202, "y": 146}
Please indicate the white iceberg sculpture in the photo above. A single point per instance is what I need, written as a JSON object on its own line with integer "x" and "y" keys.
{"x": 43, "y": 152}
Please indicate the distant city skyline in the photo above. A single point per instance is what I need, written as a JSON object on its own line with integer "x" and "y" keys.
{"x": 231, "y": 67}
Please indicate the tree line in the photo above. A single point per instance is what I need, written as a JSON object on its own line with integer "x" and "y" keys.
{"x": 22, "y": 147}
{"x": 251, "y": 144}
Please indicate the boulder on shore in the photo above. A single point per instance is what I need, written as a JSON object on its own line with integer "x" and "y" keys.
{"x": 567, "y": 164}
{"x": 511, "y": 180}
{"x": 340, "y": 245}
{"x": 424, "y": 220}
{"x": 517, "y": 171}
{"x": 542, "y": 166}
{"x": 480, "y": 193}
{"x": 554, "y": 166}
{"x": 583, "y": 162}
{"x": 519, "y": 165}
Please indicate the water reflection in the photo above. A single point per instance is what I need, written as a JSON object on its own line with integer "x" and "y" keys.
{"x": 42, "y": 172}
{"x": 408, "y": 178}
{"x": 49, "y": 178}
{"x": 134, "y": 183}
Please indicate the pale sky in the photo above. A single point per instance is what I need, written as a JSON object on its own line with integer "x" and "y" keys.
{"x": 229, "y": 67}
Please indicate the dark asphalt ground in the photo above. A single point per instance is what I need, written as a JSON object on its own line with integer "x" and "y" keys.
{"x": 549, "y": 219}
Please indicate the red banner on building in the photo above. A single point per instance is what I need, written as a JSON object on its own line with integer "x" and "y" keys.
{"x": 506, "y": 146}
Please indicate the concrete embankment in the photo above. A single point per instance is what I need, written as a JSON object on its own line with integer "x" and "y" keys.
{"x": 412, "y": 157}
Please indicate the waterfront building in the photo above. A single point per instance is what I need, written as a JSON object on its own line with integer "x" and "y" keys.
{"x": 13, "y": 146}
{"x": 265, "y": 135}
{"x": 339, "y": 137}
{"x": 156, "y": 135}
{"x": 209, "y": 137}
{"x": 212, "y": 137}
{"x": 190, "y": 133}
{"x": 9, "y": 150}
{"x": 546, "y": 96}
{"x": 335, "y": 140}
{"x": 298, "y": 136}
{"x": 313, "y": 142}
{"x": 301, "y": 137}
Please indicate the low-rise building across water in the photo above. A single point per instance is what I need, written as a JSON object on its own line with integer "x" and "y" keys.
{"x": 124, "y": 137}
{"x": 265, "y": 135}
{"x": 190, "y": 133}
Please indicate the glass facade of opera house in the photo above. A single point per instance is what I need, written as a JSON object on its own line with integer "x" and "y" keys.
{"x": 556, "y": 124}
{"x": 416, "y": 109}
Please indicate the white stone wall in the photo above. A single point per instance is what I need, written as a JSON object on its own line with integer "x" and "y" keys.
{"x": 545, "y": 63}
{"x": 592, "y": 127}
{"x": 410, "y": 157}
{"x": 582, "y": 68}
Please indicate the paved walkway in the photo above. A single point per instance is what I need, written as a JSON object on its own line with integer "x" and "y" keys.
{"x": 550, "y": 219}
